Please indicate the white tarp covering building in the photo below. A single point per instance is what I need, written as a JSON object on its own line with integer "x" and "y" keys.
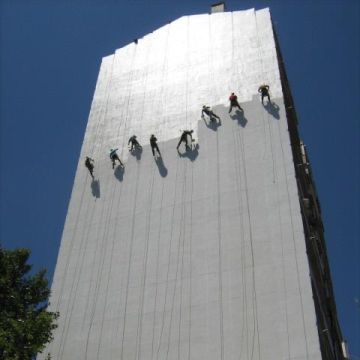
{"x": 203, "y": 254}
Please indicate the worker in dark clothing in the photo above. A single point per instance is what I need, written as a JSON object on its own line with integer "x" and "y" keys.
{"x": 264, "y": 91}
{"x": 134, "y": 143}
{"x": 154, "y": 145}
{"x": 114, "y": 156}
{"x": 184, "y": 138}
{"x": 89, "y": 163}
{"x": 207, "y": 110}
{"x": 234, "y": 102}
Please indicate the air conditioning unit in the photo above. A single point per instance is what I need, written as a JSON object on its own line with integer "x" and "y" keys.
{"x": 345, "y": 350}
{"x": 306, "y": 202}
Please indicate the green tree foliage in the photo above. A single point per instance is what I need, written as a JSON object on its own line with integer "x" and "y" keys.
{"x": 25, "y": 324}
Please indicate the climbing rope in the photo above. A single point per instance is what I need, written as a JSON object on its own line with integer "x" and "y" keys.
{"x": 144, "y": 267}
{"x": 67, "y": 318}
{"x": 137, "y": 177}
{"x": 168, "y": 262}
{"x": 240, "y": 135}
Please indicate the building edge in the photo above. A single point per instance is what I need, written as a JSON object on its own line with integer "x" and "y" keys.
{"x": 332, "y": 344}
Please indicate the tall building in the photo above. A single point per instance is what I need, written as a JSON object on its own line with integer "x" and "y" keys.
{"x": 212, "y": 253}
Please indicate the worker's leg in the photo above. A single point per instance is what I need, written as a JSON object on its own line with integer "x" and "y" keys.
{"x": 179, "y": 143}
{"x": 214, "y": 115}
{"x": 186, "y": 143}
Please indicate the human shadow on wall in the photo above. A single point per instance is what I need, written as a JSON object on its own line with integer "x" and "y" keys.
{"x": 137, "y": 152}
{"x": 161, "y": 166}
{"x": 95, "y": 188}
{"x": 190, "y": 153}
{"x": 273, "y": 109}
{"x": 119, "y": 172}
{"x": 240, "y": 117}
{"x": 212, "y": 123}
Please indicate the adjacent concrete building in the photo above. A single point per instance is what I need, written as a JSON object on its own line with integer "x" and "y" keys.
{"x": 213, "y": 253}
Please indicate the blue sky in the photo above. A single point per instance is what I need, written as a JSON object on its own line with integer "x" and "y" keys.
{"x": 50, "y": 57}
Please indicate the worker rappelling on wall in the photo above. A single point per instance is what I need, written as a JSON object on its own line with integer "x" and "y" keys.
{"x": 264, "y": 91}
{"x": 89, "y": 163}
{"x": 208, "y": 111}
{"x": 154, "y": 145}
{"x": 134, "y": 143}
{"x": 184, "y": 138}
{"x": 114, "y": 157}
{"x": 234, "y": 102}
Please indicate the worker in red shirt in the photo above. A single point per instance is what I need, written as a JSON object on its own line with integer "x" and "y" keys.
{"x": 234, "y": 102}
